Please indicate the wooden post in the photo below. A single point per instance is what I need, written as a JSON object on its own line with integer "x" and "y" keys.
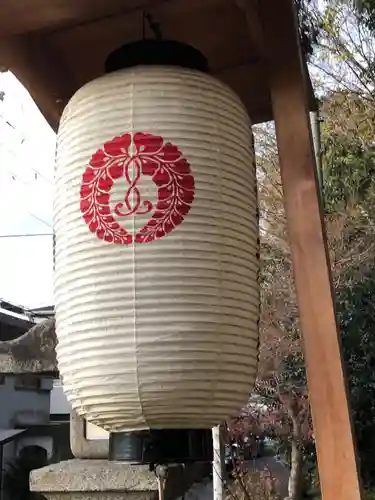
{"x": 327, "y": 390}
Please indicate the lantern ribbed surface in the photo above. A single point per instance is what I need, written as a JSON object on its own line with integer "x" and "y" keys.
{"x": 156, "y": 291}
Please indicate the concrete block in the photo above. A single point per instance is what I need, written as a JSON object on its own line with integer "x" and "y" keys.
{"x": 81, "y": 446}
{"x": 104, "y": 480}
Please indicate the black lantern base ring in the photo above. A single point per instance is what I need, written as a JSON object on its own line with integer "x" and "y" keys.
{"x": 161, "y": 446}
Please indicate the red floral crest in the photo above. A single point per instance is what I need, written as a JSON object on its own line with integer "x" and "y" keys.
{"x": 146, "y": 154}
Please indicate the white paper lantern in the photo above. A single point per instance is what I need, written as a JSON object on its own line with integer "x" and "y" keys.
{"x": 157, "y": 299}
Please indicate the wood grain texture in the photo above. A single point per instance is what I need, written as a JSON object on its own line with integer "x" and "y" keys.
{"x": 26, "y": 16}
{"x": 41, "y": 71}
{"x": 327, "y": 388}
{"x": 76, "y": 36}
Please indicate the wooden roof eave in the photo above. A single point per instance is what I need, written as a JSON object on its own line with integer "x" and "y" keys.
{"x": 36, "y": 58}
{"x": 44, "y": 77}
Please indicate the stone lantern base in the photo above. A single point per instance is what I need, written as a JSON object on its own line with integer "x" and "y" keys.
{"x": 103, "y": 480}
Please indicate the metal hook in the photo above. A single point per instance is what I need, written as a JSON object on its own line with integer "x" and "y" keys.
{"x": 153, "y": 25}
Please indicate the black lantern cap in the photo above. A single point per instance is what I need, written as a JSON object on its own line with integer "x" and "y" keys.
{"x": 158, "y": 53}
{"x": 162, "y": 446}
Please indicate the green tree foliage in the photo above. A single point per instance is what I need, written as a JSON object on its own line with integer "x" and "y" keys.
{"x": 345, "y": 58}
{"x": 349, "y": 191}
{"x": 363, "y": 9}
{"x": 355, "y": 313}
{"x": 349, "y": 166}
{"x": 345, "y": 54}
{"x": 348, "y": 140}
{"x": 367, "y": 13}
{"x": 309, "y": 26}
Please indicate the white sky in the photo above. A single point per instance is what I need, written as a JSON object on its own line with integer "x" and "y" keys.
{"x": 26, "y": 172}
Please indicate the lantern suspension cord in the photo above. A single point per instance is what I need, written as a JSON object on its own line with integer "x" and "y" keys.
{"x": 161, "y": 473}
{"x": 152, "y": 24}
{"x": 143, "y": 25}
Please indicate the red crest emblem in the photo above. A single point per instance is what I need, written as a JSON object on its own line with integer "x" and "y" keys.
{"x": 129, "y": 157}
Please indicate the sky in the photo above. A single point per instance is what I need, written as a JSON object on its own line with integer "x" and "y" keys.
{"x": 27, "y": 150}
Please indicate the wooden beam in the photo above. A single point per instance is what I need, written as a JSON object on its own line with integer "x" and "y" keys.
{"x": 327, "y": 389}
{"x": 33, "y": 62}
{"x": 250, "y": 9}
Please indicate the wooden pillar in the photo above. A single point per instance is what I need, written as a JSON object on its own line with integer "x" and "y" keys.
{"x": 327, "y": 389}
